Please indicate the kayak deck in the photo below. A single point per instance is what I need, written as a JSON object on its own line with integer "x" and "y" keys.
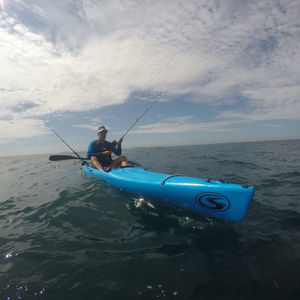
{"x": 209, "y": 197}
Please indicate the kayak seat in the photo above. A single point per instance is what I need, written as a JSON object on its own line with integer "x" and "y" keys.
{"x": 129, "y": 166}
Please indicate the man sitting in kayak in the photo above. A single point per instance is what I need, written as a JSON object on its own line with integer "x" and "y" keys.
{"x": 99, "y": 151}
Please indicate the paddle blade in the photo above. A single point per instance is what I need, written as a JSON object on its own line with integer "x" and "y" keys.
{"x": 61, "y": 157}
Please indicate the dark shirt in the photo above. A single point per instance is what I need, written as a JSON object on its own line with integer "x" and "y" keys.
{"x": 96, "y": 149}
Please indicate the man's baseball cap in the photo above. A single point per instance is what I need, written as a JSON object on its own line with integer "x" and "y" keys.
{"x": 102, "y": 129}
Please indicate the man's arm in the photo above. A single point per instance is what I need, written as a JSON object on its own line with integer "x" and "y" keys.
{"x": 116, "y": 147}
{"x": 92, "y": 151}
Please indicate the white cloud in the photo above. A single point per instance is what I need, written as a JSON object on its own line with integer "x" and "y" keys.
{"x": 21, "y": 128}
{"x": 1, "y": 4}
{"x": 104, "y": 73}
{"x": 184, "y": 124}
{"x": 84, "y": 55}
{"x": 269, "y": 103}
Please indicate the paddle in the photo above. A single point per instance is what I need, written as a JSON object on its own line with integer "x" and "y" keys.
{"x": 64, "y": 157}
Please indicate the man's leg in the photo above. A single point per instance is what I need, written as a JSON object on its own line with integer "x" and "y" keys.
{"x": 96, "y": 164}
{"x": 121, "y": 161}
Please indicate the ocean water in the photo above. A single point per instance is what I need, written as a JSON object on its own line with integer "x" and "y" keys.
{"x": 66, "y": 236}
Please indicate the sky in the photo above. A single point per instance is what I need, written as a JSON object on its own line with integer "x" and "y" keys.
{"x": 223, "y": 71}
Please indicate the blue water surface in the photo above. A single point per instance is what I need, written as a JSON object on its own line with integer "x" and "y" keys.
{"x": 65, "y": 236}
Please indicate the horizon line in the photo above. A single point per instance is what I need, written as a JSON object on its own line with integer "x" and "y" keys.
{"x": 160, "y": 146}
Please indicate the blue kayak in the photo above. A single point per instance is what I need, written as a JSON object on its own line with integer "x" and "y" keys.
{"x": 208, "y": 197}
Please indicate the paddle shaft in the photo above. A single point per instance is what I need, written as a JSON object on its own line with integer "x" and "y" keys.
{"x": 64, "y": 157}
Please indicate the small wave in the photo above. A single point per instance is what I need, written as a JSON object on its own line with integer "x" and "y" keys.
{"x": 228, "y": 162}
{"x": 287, "y": 175}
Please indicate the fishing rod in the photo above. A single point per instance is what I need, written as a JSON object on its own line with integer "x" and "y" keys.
{"x": 158, "y": 98}
{"x": 137, "y": 119}
{"x": 79, "y": 157}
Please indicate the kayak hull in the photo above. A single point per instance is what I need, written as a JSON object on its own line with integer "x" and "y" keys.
{"x": 208, "y": 197}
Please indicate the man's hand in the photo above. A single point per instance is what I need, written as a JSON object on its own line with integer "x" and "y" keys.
{"x": 106, "y": 153}
{"x": 115, "y": 142}
{"x": 120, "y": 141}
